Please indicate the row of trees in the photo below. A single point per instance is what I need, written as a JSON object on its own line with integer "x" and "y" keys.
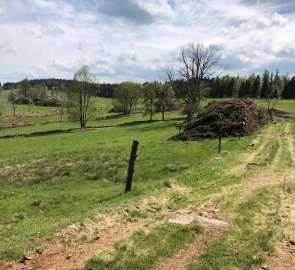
{"x": 27, "y": 94}
{"x": 56, "y": 86}
{"x": 32, "y": 92}
{"x": 189, "y": 82}
{"x": 60, "y": 84}
{"x": 156, "y": 97}
{"x": 196, "y": 64}
{"x": 255, "y": 86}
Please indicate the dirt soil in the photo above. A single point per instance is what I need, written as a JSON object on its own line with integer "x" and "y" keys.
{"x": 184, "y": 257}
{"x": 100, "y": 234}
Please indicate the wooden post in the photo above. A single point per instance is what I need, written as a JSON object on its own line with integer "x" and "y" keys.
{"x": 219, "y": 143}
{"x": 131, "y": 165}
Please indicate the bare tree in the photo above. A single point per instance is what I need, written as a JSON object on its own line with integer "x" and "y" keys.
{"x": 196, "y": 64}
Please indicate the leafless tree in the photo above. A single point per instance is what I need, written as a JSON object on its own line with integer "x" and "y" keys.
{"x": 196, "y": 64}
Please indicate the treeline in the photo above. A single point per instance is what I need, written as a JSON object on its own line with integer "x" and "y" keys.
{"x": 49, "y": 83}
{"x": 106, "y": 90}
{"x": 269, "y": 85}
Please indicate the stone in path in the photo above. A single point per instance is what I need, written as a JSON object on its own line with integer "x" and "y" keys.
{"x": 187, "y": 219}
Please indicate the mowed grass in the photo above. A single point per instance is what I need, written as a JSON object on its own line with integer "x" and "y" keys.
{"x": 287, "y": 105}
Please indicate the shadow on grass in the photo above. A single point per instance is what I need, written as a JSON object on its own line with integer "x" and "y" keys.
{"x": 65, "y": 131}
{"x": 114, "y": 116}
{"x": 282, "y": 114}
{"x": 111, "y": 197}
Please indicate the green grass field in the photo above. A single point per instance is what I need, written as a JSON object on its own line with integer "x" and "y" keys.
{"x": 51, "y": 181}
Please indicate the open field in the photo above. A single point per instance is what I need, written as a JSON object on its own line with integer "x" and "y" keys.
{"x": 62, "y": 200}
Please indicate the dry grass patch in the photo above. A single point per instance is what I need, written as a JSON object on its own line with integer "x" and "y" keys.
{"x": 92, "y": 167}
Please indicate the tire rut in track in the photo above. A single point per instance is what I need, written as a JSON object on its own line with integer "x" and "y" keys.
{"x": 289, "y": 137}
{"x": 181, "y": 259}
{"x": 251, "y": 157}
{"x": 267, "y": 177}
{"x": 284, "y": 257}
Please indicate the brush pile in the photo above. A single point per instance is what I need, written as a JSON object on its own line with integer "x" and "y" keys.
{"x": 228, "y": 118}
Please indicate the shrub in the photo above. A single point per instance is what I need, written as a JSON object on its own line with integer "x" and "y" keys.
{"x": 22, "y": 100}
{"x": 50, "y": 102}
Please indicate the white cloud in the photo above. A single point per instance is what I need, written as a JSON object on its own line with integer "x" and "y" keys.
{"x": 65, "y": 64}
{"x": 8, "y": 48}
{"x": 2, "y": 7}
{"x": 53, "y": 38}
{"x": 158, "y": 8}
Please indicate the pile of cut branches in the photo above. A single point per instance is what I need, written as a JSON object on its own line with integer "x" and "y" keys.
{"x": 228, "y": 118}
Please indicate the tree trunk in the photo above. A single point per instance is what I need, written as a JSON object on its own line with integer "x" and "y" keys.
{"x": 189, "y": 116}
{"x": 82, "y": 123}
{"x": 190, "y": 110}
{"x": 270, "y": 114}
{"x": 163, "y": 114}
{"x": 269, "y": 110}
{"x": 61, "y": 114}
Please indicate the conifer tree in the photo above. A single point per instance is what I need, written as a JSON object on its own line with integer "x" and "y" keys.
{"x": 265, "y": 89}
{"x": 256, "y": 88}
{"x": 277, "y": 86}
{"x": 289, "y": 89}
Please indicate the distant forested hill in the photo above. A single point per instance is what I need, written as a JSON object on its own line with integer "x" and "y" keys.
{"x": 106, "y": 89}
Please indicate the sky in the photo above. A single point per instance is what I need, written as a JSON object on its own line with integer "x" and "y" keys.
{"x": 134, "y": 40}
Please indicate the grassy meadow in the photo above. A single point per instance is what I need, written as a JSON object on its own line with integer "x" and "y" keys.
{"x": 49, "y": 181}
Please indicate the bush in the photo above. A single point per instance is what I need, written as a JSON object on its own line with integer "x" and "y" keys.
{"x": 50, "y": 102}
{"x": 22, "y": 100}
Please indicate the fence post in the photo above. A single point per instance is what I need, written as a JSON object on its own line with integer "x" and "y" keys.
{"x": 219, "y": 143}
{"x": 132, "y": 160}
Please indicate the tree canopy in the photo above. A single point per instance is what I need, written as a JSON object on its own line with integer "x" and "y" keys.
{"x": 83, "y": 87}
{"x": 126, "y": 96}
